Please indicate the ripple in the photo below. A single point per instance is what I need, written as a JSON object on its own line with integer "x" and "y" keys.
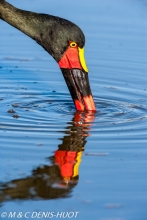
{"x": 118, "y": 111}
{"x": 54, "y": 110}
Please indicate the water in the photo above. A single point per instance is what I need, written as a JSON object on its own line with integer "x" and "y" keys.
{"x": 40, "y": 131}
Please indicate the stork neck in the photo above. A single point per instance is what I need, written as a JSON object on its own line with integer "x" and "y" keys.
{"x": 22, "y": 20}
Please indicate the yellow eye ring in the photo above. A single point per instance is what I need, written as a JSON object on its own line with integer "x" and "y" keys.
{"x": 73, "y": 44}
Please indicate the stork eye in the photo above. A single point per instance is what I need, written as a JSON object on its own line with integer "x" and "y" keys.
{"x": 73, "y": 44}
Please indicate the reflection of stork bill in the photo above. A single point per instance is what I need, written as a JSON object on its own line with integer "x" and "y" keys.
{"x": 68, "y": 162}
{"x": 57, "y": 179}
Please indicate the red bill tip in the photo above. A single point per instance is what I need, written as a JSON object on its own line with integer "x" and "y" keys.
{"x": 79, "y": 106}
{"x": 88, "y": 104}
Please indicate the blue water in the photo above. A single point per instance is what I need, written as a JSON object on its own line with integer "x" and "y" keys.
{"x": 38, "y": 118}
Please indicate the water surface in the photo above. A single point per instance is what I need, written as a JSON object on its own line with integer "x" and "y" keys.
{"x": 41, "y": 134}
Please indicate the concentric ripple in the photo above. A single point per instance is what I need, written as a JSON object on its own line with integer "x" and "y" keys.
{"x": 58, "y": 107}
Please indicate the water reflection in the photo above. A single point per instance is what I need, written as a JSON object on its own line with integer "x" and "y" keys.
{"x": 57, "y": 179}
